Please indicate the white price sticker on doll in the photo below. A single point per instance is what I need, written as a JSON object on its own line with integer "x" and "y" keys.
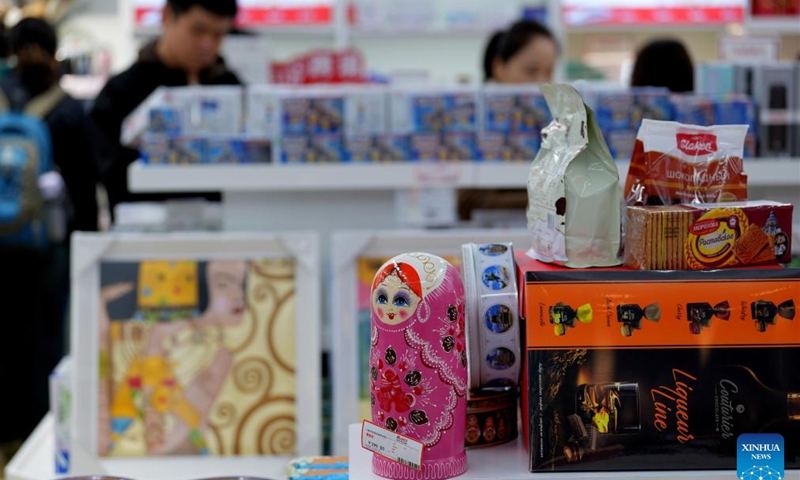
{"x": 397, "y": 448}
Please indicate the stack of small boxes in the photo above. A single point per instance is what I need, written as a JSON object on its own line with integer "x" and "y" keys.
{"x": 511, "y": 121}
{"x": 374, "y": 124}
{"x": 319, "y": 125}
{"x": 775, "y": 89}
{"x": 620, "y": 112}
{"x": 199, "y": 125}
{"x": 440, "y": 124}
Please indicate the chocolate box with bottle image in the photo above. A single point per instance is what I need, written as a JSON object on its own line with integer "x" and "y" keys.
{"x": 643, "y": 370}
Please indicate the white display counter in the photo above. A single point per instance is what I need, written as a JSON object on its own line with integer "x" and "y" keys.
{"x": 36, "y": 461}
{"x": 328, "y": 197}
{"x": 347, "y": 178}
{"x": 510, "y": 462}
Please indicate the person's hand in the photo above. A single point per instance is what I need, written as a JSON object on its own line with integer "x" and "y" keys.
{"x": 116, "y": 291}
{"x": 162, "y": 331}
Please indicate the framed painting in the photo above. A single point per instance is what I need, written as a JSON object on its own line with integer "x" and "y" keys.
{"x": 355, "y": 258}
{"x": 196, "y": 344}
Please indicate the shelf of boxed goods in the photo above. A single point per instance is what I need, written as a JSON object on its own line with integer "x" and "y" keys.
{"x": 36, "y": 461}
{"x": 348, "y": 178}
{"x": 510, "y": 462}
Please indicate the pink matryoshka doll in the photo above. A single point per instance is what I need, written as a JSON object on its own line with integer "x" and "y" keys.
{"x": 418, "y": 363}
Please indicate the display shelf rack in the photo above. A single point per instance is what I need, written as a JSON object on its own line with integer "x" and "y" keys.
{"x": 35, "y": 461}
{"x": 349, "y": 177}
{"x": 510, "y": 462}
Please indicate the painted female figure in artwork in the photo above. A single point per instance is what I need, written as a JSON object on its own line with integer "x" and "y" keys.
{"x": 169, "y": 362}
{"x": 418, "y": 372}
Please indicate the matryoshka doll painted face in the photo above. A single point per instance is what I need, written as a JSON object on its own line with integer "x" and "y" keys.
{"x": 418, "y": 371}
{"x": 396, "y": 293}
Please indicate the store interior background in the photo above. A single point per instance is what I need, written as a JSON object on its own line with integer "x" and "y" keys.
{"x": 429, "y": 43}
{"x": 442, "y": 54}
{"x": 432, "y": 53}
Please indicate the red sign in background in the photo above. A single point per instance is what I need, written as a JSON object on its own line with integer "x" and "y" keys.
{"x": 255, "y": 16}
{"x": 583, "y": 16}
{"x": 776, "y": 8}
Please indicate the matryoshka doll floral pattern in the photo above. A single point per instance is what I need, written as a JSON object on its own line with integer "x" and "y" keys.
{"x": 418, "y": 363}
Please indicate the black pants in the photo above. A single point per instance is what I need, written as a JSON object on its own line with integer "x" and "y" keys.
{"x": 33, "y": 297}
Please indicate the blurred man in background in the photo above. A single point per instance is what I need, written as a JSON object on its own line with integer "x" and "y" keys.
{"x": 187, "y": 53}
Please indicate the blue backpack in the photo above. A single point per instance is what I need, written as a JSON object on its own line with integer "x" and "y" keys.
{"x": 26, "y": 152}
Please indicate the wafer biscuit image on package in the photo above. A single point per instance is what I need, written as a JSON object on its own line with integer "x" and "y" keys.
{"x": 752, "y": 242}
{"x": 708, "y": 236}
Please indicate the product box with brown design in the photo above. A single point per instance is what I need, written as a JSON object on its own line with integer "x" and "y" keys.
{"x": 658, "y": 370}
{"x": 708, "y": 236}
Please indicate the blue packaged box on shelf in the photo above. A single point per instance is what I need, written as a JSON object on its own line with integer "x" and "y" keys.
{"x": 376, "y": 148}
{"x": 739, "y": 110}
{"x": 328, "y": 148}
{"x": 395, "y": 148}
{"x": 188, "y": 150}
{"x": 513, "y": 109}
{"x": 460, "y": 113}
{"x": 155, "y": 148}
{"x": 361, "y": 149}
{"x": 461, "y": 146}
{"x": 515, "y": 147}
{"x": 326, "y": 116}
{"x": 428, "y": 113}
{"x": 614, "y": 110}
{"x": 165, "y": 120}
{"x": 734, "y": 110}
{"x": 493, "y": 146}
{"x": 532, "y": 113}
{"x": 621, "y": 144}
{"x": 497, "y": 112}
{"x": 225, "y": 150}
{"x": 427, "y": 146}
{"x": 294, "y": 148}
{"x": 312, "y": 149}
{"x": 652, "y": 103}
{"x": 275, "y": 111}
{"x": 694, "y": 110}
{"x": 433, "y": 110}
{"x": 294, "y": 116}
{"x": 237, "y": 150}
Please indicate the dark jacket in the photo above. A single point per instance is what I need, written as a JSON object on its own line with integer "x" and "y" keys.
{"x": 36, "y": 295}
{"x": 70, "y": 132}
{"x": 121, "y": 95}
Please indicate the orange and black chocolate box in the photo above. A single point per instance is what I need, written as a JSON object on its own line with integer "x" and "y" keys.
{"x": 634, "y": 370}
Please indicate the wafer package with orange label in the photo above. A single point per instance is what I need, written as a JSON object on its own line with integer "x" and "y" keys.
{"x": 674, "y": 163}
{"x": 708, "y": 236}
